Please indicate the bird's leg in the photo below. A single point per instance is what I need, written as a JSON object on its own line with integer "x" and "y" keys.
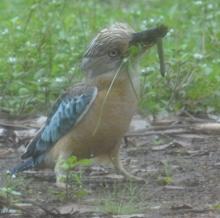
{"x": 60, "y": 171}
{"x": 115, "y": 159}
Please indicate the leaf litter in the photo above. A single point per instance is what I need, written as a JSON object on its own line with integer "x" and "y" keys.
{"x": 184, "y": 151}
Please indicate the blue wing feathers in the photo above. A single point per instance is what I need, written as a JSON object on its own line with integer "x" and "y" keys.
{"x": 66, "y": 113}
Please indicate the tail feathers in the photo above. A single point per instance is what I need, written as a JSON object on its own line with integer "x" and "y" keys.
{"x": 26, "y": 165}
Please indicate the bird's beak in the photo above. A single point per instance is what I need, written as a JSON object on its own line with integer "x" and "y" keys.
{"x": 149, "y": 37}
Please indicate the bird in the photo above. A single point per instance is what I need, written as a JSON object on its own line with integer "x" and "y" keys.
{"x": 90, "y": 119}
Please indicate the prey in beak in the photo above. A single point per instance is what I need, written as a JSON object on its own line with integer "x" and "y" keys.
{"x": 150, "y": 37}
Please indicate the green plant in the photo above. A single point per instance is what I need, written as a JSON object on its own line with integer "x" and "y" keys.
{"x": 9, "y": 192}
{"x": 216, "y": 207}
{"x": 42, "y": 42}
{"x": 121, "y": 200}
{"x": 73, "y": 178}
{"x": 167, "y": 178}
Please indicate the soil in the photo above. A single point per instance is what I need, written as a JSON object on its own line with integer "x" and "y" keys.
{"x": 180, "y": 166}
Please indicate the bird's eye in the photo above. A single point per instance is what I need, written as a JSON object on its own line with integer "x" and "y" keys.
{"x": 113, "y": 53}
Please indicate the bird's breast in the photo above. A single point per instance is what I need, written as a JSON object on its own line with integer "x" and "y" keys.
{"x": 102, "y": 127}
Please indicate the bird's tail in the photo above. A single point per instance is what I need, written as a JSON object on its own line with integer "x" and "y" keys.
{"x": 26, "y": 165}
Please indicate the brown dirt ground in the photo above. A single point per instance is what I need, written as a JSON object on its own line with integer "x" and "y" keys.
{"x": 182, "y": 173}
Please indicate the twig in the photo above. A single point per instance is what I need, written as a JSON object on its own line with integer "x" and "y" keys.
{"x": 169, "y": 131}
{"x": 204, "y": 128}
{"x": 19, "y": 124}
{"x": 12, "y": 125}
{"x": 209, "y": 128}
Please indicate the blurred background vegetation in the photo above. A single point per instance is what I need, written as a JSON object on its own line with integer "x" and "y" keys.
{"x": 42, "y": 42}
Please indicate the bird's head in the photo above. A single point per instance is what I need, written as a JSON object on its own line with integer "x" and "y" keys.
{"x": 113, "y": 45}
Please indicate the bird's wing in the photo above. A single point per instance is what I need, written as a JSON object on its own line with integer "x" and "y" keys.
{"x": 68, "y": 110}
